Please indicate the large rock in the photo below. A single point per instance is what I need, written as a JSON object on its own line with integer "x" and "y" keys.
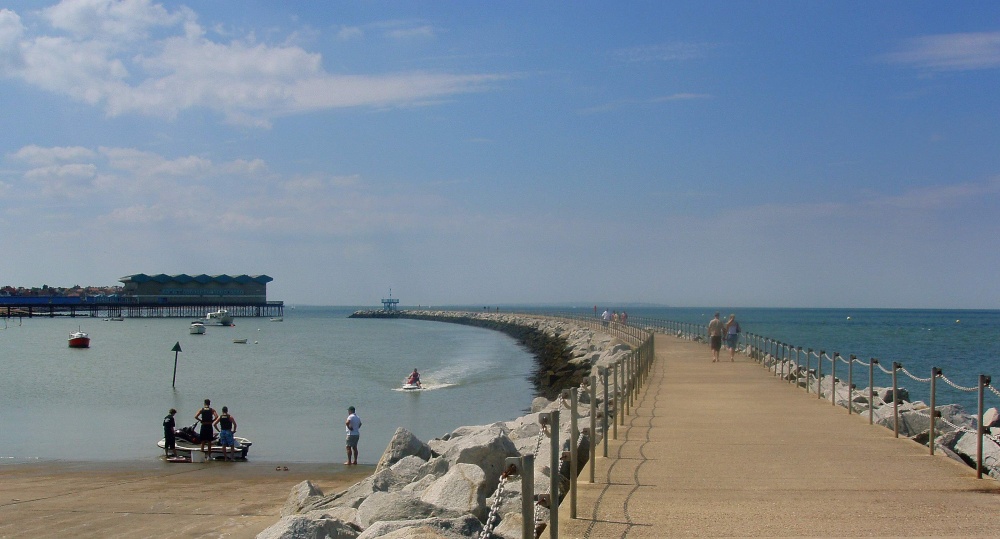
{"x": 303, "y": 527}
{"x": 301, "y": 495}
{"x": 403, "y": 444}
{"x": 398, "y": 506}
{"x": 461, "y": 490}
{"x": 430, "y": 528}
{"x": 487, "y": 448}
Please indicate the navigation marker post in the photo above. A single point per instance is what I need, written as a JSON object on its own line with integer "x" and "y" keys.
{"x": 175, "y": 350}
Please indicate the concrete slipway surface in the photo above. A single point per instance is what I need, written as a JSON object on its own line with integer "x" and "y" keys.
{"x": 728, "y": 450}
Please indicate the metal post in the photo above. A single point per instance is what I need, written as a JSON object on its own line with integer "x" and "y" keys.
{"x": 528, "y": 496}
{"x": 593, "y": 425}
{"x": 983, "y": 382}
{"x": 618, "y": 404}
{"x": 809, "y": 352}
{"x": 554, "y": 475}
{"x": 935, "y": 372}
{"x": 819, "y": 374}
{"x": 895, "y": 400}
{"x": 604, "y": 420}
{"x": 833, "y": 379}
{"x": 871, "y": 389}
{"x": 850, "y": 384}
{"x": 574, "y": 437}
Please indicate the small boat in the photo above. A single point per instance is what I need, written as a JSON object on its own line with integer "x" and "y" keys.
{"x": 188, "y": 445}
{"x": 239, "y": 341}
{"x": 218, "y": 318}
{"x": 278, "y": 319}
{"x": 118, "y": 319}
{"x": 197, "y": 328}
{"x": 79, "y": 339}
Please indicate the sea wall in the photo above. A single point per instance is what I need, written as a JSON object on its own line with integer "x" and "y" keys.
{"x": 453, "y": 486}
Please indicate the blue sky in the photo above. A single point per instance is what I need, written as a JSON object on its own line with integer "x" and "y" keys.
{"x": 815, "y": 154}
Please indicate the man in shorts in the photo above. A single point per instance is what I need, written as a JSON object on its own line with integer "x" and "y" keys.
{"x": 169, "y": 439}
{"x": 715, "y": 336}
{"x": 353, "y": 425}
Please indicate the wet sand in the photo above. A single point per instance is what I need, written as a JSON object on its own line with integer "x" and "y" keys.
{"x": 155, "y": 498}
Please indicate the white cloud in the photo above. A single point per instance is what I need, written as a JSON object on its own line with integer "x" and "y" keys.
{"x": 349, "y": 33}
{"x": 136, "y": 57}
{"x": 38, "y": 155}
{"x": 950, "y": 52}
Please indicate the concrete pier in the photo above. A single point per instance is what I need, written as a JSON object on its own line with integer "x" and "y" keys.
{"x": 728, "y": 450}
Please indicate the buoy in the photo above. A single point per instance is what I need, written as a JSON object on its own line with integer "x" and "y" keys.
{"x": 848, "y": 317}
{"x": 957, "y": 321}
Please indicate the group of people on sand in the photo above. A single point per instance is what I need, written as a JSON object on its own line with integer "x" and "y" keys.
{"x": 210, "y": 421}
{"x": 717, "y": 329}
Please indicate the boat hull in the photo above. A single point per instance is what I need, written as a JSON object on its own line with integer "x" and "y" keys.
{"x": 79, "y": 340}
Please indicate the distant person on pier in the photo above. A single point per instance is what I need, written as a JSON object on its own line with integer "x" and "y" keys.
{"x": 207, "y": 416}
{"x": 227, "y": 426}
{"x": 606, "y": 317}
{"x": 715, "y": 328}
{"x": 353, "y": 425}
{"x": 732, "y": 335}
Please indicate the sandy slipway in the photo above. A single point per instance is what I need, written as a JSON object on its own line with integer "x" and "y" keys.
{"x": 446, "y": 487}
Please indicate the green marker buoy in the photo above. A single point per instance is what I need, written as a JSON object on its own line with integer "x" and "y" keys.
{"x": 176, "y": 349}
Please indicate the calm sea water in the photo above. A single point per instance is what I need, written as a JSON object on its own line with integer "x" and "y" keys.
{"x": 288, "y": 388}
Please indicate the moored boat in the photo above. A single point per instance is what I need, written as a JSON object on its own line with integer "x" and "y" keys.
{"x": 218, "y": 318}
{"x": 79, "y": 339}
{"x": 197, "y": 328}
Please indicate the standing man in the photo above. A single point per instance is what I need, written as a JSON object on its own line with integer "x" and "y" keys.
{"x": 353, "y": 425}
{"x": 227, "y": 426}
{"x": 169, "y": 440}
{"x": 715, "y": 336}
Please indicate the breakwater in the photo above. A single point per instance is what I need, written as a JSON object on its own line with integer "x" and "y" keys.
{"x": 458, "y": 485}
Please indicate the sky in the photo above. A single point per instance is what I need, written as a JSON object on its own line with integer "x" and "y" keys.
{"x": 702, "y": 153}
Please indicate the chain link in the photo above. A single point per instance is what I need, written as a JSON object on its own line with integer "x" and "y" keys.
{"x": 993, "y": 390}
{"x": 497, "y": 500}
{"x": 906, "y": 372}
{"x": 958, "y": 387}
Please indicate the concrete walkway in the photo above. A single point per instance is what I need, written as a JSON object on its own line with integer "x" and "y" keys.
{"x": 728, "y": 450}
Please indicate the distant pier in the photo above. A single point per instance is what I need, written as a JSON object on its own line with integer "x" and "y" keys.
{"x": 52, "y": 306}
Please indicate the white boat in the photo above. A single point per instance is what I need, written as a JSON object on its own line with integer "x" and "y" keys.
{"x": 218, "y": 318}
{"x": 239, "y": 341}
{"x": 197, "y": 328}
{"x": 277, "y": 319}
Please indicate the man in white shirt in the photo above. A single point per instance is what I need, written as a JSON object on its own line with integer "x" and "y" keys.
{"x": 353, "y": 425}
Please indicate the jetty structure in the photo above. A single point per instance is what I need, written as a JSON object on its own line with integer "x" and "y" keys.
{"x": 157, "y": 296}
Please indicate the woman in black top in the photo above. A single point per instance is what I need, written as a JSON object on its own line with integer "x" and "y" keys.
{"x": 207, "y": 416}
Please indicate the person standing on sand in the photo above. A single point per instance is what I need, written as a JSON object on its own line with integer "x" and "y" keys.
{"x": 207, "y": 416}
{"x": 227, "y": 426}
{"x": 353, "y": 425}
{"x": 169, "y": 440}
{"x": 715, "y": 336}
{"x": 732, "y": 335}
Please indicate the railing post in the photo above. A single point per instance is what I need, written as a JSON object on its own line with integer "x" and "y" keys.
{"x": 895, "y": 400}
{"x": 574, "y": 438}
{"x": 871, "y": 389}
{"x": 981, "y": 429}
{"x": 935, "y": 372}
{"x": 556, "y": 453}
{"x": 808, "y": 367}
{"x": 850, "y": 384}
{"x": 528, "y": 496}
{"x": 593, "y": 425}
{"x": 819, "y": 374}
{"x": 618, "y": 403}
{"x": 604, "y": 420}
{"x": 833, "y": 379}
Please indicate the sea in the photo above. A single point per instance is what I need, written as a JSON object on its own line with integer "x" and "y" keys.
{"x": 290, "y": 384}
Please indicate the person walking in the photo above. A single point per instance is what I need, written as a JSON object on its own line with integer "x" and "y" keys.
{"x": 227, "y": 426}
{"x": 732, "y": 336}
{"x": 169, "y": 439}
{"x": 353, "y": 425}
{"x": 206, "y": 416}
{"x": 715, "y": 336}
